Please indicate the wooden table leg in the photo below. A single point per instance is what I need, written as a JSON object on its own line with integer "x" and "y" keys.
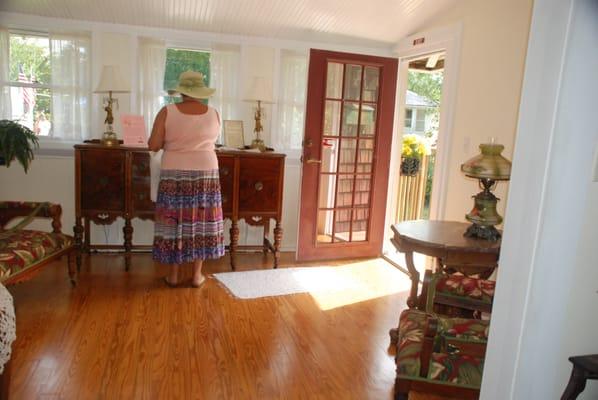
{"x": 78, "y": 231}
{"x": 576, "y": 385}
{"x": 234, "y": 239}
{"x": 414, "y": 275}
{"x": 266, "y": 242}
{"x": 128, "y": 234}
{"x": 87, "y": 242}
{"x": 277, "y": 241}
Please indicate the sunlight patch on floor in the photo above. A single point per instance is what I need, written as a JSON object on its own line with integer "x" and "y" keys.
{"x": 353, "y": 283}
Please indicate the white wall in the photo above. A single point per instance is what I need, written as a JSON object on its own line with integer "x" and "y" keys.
{"x": 547, "y": 286}
{"x": 490, "y": 72}
{"x": 52, "y": 177}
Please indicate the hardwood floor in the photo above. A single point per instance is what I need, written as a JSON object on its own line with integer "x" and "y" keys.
{"x": 121, "y": 335}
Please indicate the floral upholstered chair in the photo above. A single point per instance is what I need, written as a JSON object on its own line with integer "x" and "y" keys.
{"x": 444, "y": 354}
{"x": 23, "y": 252}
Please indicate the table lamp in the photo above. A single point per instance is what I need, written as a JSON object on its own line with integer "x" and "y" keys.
{"x": 488, "y": 167}
{"x": 110, "y": 82}
{"x": 259, "y": 92}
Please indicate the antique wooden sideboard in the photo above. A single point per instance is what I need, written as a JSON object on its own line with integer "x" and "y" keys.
{"x": 112, "y": 182}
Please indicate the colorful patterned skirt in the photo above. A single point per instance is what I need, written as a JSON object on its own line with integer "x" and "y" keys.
{"x": 188, "y": 219}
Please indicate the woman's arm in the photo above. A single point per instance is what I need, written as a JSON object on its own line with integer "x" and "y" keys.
{"x": 156, "y": 140}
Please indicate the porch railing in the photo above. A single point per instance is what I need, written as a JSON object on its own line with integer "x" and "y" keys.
{"x": 412, "y": 192}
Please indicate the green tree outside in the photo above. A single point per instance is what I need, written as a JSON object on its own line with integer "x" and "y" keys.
{"x": 179, "y": 61}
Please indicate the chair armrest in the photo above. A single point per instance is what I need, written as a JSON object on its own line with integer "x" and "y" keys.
{"x": 430, "y": 336}
{"x": 15, "y": 209}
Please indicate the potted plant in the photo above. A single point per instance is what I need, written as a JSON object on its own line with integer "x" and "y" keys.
{"x": 16, "y": 142}
{"x": 414, "y": 148}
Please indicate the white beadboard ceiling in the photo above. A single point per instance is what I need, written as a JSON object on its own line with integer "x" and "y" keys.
{"x": 373, "y": 22}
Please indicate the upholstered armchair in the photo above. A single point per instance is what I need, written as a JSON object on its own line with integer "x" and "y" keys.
{"x": 438, "y": 350}
{"x": 24, "y": 251}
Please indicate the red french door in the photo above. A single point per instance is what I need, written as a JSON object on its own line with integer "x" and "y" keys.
{"x": 346, "y": 155}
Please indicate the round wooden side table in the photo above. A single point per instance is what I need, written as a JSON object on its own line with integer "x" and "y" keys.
{"x": 445, "y": 241}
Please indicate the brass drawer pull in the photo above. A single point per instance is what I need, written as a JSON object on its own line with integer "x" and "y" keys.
{"x": 258, "y": 186}
{"x": 224, "y": 171}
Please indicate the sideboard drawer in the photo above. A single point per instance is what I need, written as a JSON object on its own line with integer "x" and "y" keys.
{"x": 102, "y": 180}
{"x": 226, "y": 166}
{"x": 259, "y": 185}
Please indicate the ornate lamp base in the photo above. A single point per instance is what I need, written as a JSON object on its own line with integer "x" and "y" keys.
{"x": 258, "y": 144}
{"x": 109, "y": 139}
{"x": 487, "y": 232}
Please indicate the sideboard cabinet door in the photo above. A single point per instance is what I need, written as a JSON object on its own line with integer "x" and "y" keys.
{"x": 102, "y": 180}
{"x": 259, "y": 185}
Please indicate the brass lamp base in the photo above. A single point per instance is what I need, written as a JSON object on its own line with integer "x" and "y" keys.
{"x": 476, "y": 231}
{"x": 109, "y": 139}
{"x": 258, "y": 144}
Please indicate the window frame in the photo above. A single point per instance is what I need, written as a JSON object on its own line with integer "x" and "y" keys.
{"x": 52, "y": 145}
{"x": 185, "y": 47}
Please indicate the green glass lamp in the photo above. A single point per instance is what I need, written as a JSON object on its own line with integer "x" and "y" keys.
{"x": 489, "y": 167}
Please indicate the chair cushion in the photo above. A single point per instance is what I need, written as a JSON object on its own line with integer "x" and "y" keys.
{"x": 455, "y": 368}
{"x": 25, "y": 248}
{"x": 458, "y": 369}
{"x": 460, "y": 286}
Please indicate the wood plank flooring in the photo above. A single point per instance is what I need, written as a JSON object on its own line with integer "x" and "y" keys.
{"x": 124, "y": 335}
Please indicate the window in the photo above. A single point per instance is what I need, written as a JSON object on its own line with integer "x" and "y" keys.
{"x": 420, "y": 120}
{"x": 291, "y": 100}
{"x": 48, "y": 83}
{"x": 179, "y": 61}
{"x": 408, "y": 117}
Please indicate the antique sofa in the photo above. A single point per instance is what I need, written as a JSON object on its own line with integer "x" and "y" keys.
{"x": 441, "y": 344}
{"x": 24, "y": 251}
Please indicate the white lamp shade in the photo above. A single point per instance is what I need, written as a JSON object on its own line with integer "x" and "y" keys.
{"x": 111, "y": 81}
{"x": 259, "y": 90}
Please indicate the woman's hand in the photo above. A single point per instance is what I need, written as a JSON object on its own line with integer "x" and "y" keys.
{"x": 156, "y": 140}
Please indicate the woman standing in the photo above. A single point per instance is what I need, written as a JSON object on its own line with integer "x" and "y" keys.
{"x": 188, "y": 221}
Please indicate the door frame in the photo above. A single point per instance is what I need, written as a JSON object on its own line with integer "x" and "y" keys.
{"x": 448, "y": 40}
{"x": 375, "y": 243}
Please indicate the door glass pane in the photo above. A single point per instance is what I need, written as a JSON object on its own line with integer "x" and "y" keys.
{"x": 332, "y": 117}
{"x": 371, "y": 83}
{"x": 327, "y": 190}
{"x": 324, "y": 226}
{"x": 344, "y": 192}
{"x": 365, "y": 156}
{"x": 362, "y": 190}
{"x": 342, "y": 225}
{"x": 352, "y": 82}
{"x": 329, "y": 155}
{"x": 360, "y": 224}
{"x": 334, "y": 80}
{"x": 368, "y": 120}
{"x": 350, "y": 119}
{"x": 347, "y": 156}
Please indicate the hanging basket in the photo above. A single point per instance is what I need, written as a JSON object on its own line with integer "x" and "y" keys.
{"x": 410, "y": 166}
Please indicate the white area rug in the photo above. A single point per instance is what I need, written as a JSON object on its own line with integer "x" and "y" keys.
{"x": 360, "y": 280}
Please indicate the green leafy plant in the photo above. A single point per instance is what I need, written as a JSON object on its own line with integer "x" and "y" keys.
{"x": 17, "y": 142}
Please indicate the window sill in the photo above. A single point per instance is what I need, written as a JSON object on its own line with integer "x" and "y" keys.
{"x": 56, "y": 148}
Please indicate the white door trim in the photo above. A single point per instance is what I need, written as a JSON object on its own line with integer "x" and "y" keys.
{"x": 447, "y": 39}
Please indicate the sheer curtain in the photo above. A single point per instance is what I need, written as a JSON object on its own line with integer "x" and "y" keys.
{"x": 5, "y": 107}
{"x": 224, "y": 77}
{"x": 152, "y": 65}
{"x": 70, "y": 56}
{"x": 291, "y": 101}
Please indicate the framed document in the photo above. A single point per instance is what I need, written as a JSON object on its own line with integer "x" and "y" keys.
{"x": 133, "y": 127}
{"x": 233, "y": 134}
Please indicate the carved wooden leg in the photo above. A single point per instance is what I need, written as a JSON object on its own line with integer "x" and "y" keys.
{"x": 277, "y": 240}
{"x": 78, "y": 230}
{"x": 414, "y": 275}
{"x": 576, "y": 385}
{"x": 234, "y": 239}
{"x": 71, "y": 267}
{"x": 128, "y": 233}
{"x": 265, "y": 245}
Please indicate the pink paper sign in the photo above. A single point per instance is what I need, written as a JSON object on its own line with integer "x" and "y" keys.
{"x": 133, "y": 127}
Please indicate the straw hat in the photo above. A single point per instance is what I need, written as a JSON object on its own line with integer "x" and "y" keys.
{"x": 192, "y": 84}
